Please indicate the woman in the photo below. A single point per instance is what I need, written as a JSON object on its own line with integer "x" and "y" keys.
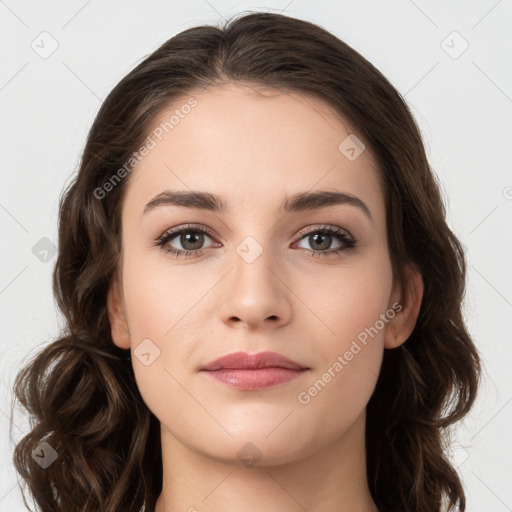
{"x": 262, "y": 295}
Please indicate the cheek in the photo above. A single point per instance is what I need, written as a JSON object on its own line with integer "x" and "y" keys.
{"x": 348, "y": 363}
{"x": 157, "y": 300}
{"x": 346, "y": 303}
{"x": 351, "y": 318}
{"x": 158, "y": 295}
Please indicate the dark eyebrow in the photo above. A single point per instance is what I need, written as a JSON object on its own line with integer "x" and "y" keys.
{"x": 301, "y": 201}
{"x": 321, "y": 199}
{"x": 188, "y": 199}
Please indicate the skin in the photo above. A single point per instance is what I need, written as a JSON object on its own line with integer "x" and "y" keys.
{"x": 253, "y": 148}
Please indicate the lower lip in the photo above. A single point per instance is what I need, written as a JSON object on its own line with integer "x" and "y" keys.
{"x": 255, "y": 379}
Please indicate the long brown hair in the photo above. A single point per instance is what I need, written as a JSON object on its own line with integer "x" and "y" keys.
{"x": 80, "y": 391}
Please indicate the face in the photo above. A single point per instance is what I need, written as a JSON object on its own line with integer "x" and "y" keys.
{"x": 314, "y": 285}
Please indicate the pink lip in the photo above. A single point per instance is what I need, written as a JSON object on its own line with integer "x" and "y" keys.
{"x": 254, "y": 371}
{"x": 245, "y": 361}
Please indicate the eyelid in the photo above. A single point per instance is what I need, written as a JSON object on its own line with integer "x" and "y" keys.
{"x": 190, "y": 227}
{"x": 313, "y": 228}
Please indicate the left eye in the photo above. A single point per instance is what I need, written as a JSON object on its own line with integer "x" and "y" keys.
{"x": 322, "y": 240}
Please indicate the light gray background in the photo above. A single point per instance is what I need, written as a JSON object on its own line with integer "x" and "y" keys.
{"x": 463, "y": 106}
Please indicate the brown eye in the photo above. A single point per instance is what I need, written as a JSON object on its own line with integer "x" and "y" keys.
{"x": 320, "y": 241}
{"x": 191, "y": 240}
{"x": 186, "y": 241}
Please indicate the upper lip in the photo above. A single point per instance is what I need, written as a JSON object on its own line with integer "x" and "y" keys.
{"x": 243, "y": 360}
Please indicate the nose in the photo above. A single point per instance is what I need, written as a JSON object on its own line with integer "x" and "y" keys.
{"x": 254, "y": 294}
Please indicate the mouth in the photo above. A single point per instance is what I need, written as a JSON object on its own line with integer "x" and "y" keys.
{"x": 252, "y": 372}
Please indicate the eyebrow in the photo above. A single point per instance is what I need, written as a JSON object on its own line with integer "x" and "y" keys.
{"x": 301, "y": 201}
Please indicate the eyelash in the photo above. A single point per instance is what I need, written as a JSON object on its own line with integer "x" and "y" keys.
{"x": 348, "y": 240}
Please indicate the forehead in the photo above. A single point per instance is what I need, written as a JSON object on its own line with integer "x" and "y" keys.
{"x": 252, "y": 144}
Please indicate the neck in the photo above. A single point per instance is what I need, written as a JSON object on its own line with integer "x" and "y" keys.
{"x": 332, "y": 478}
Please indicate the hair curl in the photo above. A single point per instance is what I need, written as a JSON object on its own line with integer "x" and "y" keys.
{"x": 80, "y": 391}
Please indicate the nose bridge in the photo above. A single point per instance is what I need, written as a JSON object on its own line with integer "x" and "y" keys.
{"x": 254, "y": 260}
{"x": 251, "y": 249}
{"x": 255, "y": 250}
{"x": 254, "y": 292}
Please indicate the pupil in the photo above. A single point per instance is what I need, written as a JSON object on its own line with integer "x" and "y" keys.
{"x": 189, "y": 238}
{"x": 323, "y": 239}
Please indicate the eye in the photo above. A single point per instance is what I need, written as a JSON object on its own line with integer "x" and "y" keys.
{"x": 320, "y": 239}
{"x": 191, "y": 239}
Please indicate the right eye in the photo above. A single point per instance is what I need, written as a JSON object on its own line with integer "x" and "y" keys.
{"x": 191, "y": 238}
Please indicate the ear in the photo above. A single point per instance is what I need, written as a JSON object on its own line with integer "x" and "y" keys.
{"x": 116, "y": 315}
{"x": 402, "y": 325}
